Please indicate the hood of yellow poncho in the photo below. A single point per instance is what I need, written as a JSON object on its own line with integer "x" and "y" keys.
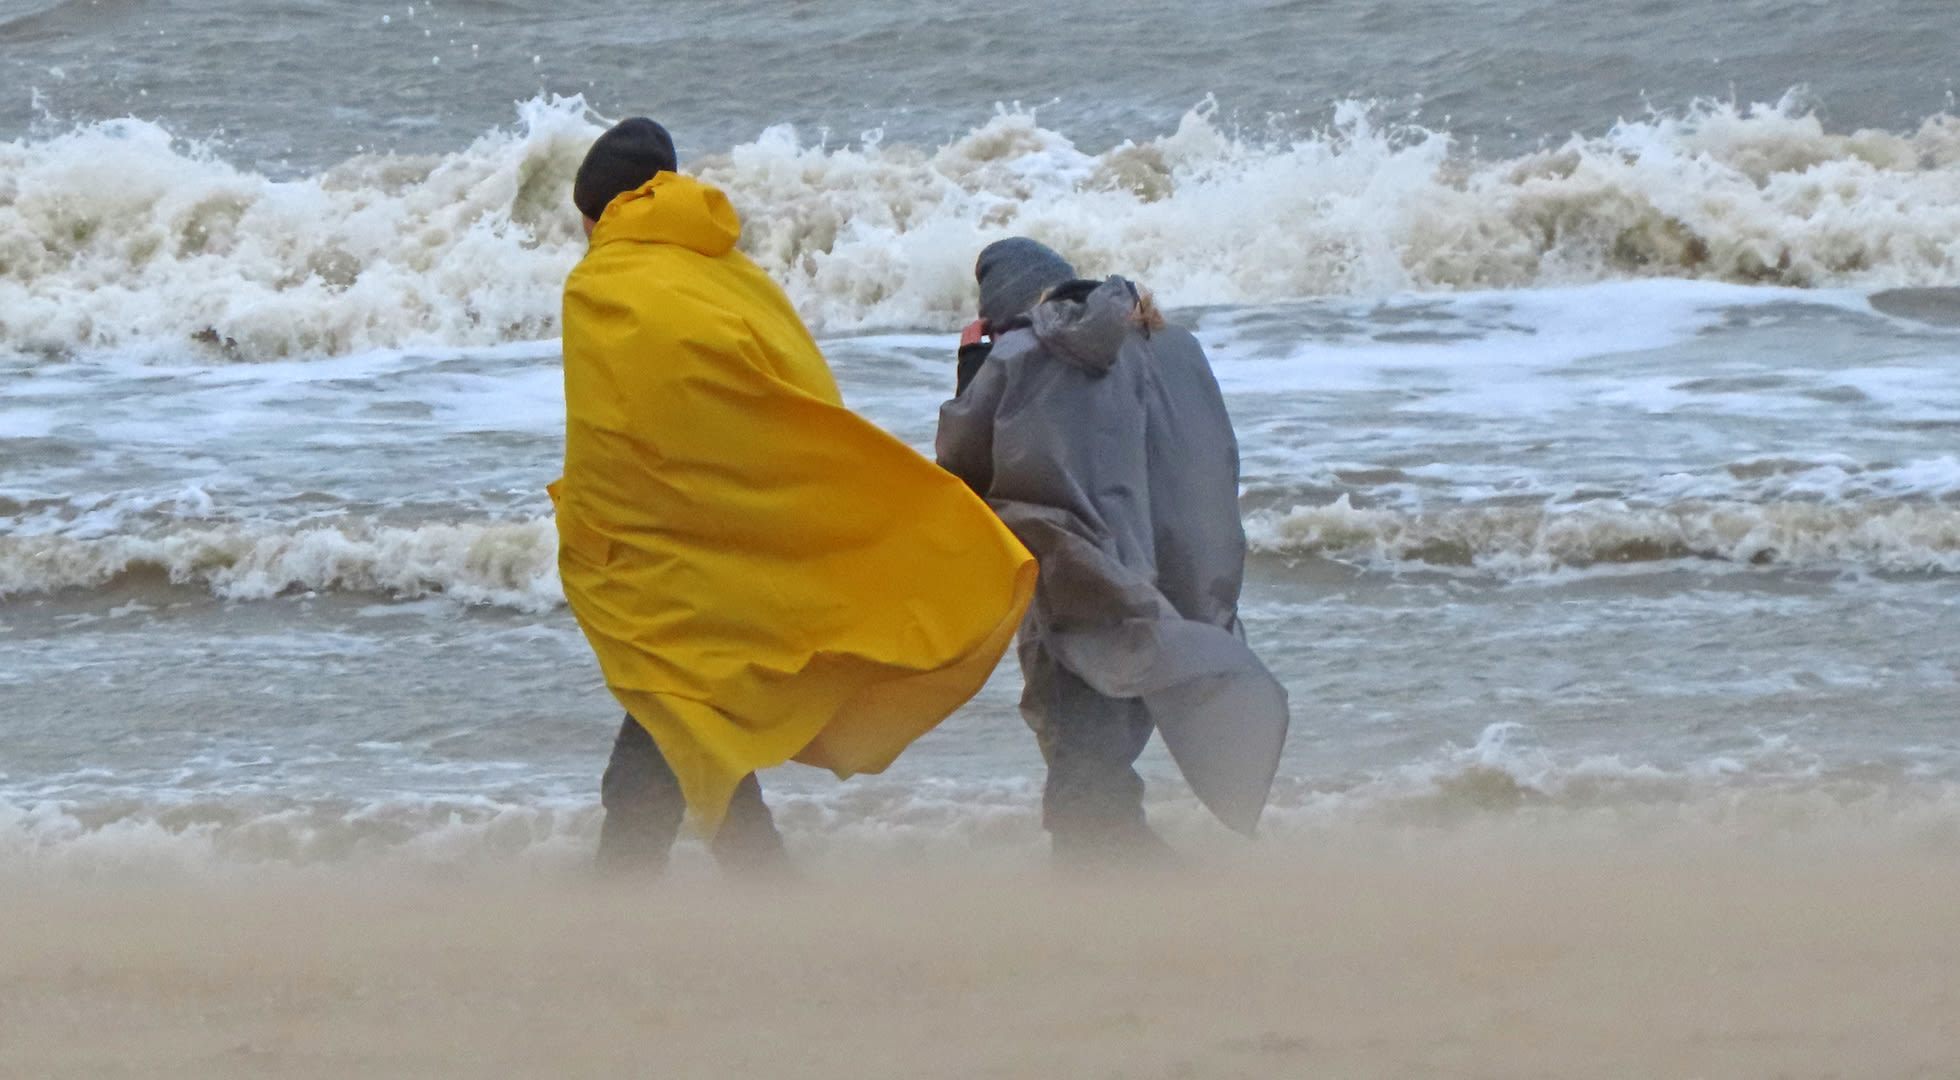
{"x": 672, "y": 209}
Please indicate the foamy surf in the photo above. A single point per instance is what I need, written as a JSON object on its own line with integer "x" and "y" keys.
{"x": 120, "y": 235}
{"x": 510, "y": 564}
{"x": 1519, "y": 543}
{"x": 1501, "y": 785}
{"x": 513, "y": 564}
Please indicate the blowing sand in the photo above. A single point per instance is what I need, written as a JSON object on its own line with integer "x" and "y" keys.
{"x": 1436, "y": 960}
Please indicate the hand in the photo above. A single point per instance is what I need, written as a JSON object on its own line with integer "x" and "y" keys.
{"x": 974, "y": 331}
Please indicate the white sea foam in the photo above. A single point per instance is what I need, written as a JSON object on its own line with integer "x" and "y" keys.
{"x": 116, "y": 235}
{"x": 1502, "y": 783}
{"x": 514, "y": 563}
{"x": 1520, "y": 542}
{"x": 886, "y": 236}
{"x": 146, "y": 836}
{"x": 511, "y": 564}
{"x": 1775, "y": 790}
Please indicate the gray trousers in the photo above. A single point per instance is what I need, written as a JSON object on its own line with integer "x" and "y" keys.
{"x": 644, "y": 810}
{"x": 1092, "y": 804}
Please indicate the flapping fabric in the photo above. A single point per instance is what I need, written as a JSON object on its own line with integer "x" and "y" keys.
{"x": 1105, "y": 445}
{"x": 764, "y": 575}
{"x": 1222, "y": 715}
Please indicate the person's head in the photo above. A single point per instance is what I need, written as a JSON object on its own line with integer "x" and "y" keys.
{"x": 621, "y": 160}
{"x": 1013, "y": 274}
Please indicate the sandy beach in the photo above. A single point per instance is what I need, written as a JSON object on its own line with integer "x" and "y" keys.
{"x": 1514, "y": 959}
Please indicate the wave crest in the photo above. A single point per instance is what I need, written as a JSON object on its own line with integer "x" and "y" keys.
{"x": 1517, "y": 542}
{"x": 115, "y": 235}
{"x": 512, "y": 564}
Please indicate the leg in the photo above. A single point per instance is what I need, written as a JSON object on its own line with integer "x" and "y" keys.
{"x": 643, "y": 804}
{"x": 1092, "y": 805}
{"x": 748, "y": 843}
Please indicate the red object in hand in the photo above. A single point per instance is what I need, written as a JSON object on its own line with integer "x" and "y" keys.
{"x": 974, "y": 331}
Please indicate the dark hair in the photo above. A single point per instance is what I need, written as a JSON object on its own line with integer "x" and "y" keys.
{"x": 621, "y": 160}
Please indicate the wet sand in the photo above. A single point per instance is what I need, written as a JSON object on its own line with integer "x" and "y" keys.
{"x": 1553, "y": 959}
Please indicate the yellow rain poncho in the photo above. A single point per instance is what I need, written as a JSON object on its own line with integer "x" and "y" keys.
{"x": 764, "y": 575}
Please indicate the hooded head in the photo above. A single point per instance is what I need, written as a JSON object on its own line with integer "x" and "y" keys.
{"x": 623, "y": 159}
{"x": 1085, "y": 323}
{"x": 1013, "y": 273}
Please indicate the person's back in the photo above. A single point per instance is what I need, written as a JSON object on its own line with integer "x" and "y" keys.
{"x": 1080, "y": 361}
{"x": 683, "y": 233}
{"x": 714, "y": 305}
{"x": 1198, "y": 539}
{"x": 1102, "y": 356}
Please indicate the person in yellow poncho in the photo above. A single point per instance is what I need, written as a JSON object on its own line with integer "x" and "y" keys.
{"x": 764, "y": 575}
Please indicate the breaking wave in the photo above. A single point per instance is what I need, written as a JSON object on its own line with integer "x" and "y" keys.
{"x": 513, "y": 564}
{"x": 116, "y": 235}
{"x": 1522, "y": 542}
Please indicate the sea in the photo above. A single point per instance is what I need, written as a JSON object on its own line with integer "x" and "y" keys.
{"x": 1596, "y": 369}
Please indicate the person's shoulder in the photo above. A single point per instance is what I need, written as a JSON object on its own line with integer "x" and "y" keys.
{"x": 1173, "y": 345}
{"x": 1172, "y": 335}
{"x": 641, "y": 273}
{"x": 1015, "y": 347}
{"x": 619, "y": 267}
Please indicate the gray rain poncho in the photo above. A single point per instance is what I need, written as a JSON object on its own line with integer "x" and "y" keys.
{"x": 1104, "y": 444}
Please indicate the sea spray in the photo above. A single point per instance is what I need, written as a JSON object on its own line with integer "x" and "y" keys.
{"x": 116, "y": 235}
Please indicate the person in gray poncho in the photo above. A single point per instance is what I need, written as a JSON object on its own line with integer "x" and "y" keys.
{"x": 1099, "y": 436}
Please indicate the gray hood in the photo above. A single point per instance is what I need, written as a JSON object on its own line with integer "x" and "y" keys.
{"x": 1087, "y": 331}
{"x": 1012, "y": 275}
